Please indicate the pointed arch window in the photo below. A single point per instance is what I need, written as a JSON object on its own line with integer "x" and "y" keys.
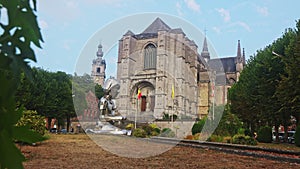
{"x": 150, "y": 57}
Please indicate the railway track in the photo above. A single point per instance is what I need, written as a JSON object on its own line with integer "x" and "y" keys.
{"x": 252, "y": 151}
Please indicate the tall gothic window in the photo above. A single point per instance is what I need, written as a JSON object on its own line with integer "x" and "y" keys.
{"x": 150, "y": 57}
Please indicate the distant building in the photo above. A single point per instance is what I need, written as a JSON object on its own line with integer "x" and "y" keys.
{"x": 98, "y": 67}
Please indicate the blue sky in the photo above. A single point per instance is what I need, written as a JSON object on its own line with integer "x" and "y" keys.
{"x": 69, "y": 25}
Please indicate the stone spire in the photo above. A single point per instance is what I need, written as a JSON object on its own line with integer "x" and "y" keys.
{"x": 99, "y": 52}
{"x": 239, "y": 53}
{"x": 205, "y": 54}
{"x": 244, "y": 57}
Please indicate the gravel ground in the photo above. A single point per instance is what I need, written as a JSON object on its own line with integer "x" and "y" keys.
{"x": 79, "y": 151}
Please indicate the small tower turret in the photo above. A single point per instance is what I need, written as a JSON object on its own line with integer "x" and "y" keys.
{"x": 205, "y": 54}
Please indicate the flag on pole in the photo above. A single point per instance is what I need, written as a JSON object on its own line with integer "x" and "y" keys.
{"x": 173, "y": 92}
{"x": 139, "y": 95}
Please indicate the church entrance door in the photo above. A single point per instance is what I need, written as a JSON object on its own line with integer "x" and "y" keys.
{"x": 143, "y": 103}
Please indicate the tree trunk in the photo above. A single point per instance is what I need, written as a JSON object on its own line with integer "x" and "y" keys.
{"x": 49, "y": 123}
{"x": 68, "y": 123}
{"x": 285, "y": 132}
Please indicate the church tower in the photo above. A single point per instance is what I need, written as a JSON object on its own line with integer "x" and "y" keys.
{"x": 98, "y": 67}
{"x": 240, "y": 61}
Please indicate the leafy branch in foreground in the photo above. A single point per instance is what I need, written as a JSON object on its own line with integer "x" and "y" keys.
{"x": 19, "y": 30}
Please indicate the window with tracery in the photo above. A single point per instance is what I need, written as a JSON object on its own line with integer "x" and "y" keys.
{"x": 150, "y": 57}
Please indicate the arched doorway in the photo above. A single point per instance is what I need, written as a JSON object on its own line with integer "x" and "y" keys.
{"x": 147, "y": 101}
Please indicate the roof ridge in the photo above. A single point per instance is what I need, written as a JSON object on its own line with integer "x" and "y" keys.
{"x": 157, "y": 25}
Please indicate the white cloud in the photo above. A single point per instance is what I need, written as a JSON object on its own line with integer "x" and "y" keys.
{"x": 178, "y": 9}
{"x": 262, "y": 10}
{"x": 192, "y": 5}
{"x": 217, "y": 29}
{"x": 225, "y": 14}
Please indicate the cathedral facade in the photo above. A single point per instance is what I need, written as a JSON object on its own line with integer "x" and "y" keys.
{"x": 164, "y": 65}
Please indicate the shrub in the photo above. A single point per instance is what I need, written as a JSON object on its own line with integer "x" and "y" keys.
{"x": 197, "y": 136}
{"x": 167, "y": 132}
{"x": 297, "y": 136}
{"x": 189, "y": 137}
{"x": 241, "y": 131}
{"x": 157, "y": 130}
{"x": 139, "y": 133}
{"x": 129, "y": 126}
{"x": 229, "y": 125}
{"x": 147, "y": 129}
{"x": 154, "y": 129}
{"x": 264, "y": 134}
{"x": 35, "y": 121}
{"x": 248, "y": 132}
{"x": 167, "y": 117}
{"x": 198, "y": 126}
{"x": 154, "y": 133}
{"x": 227, "y": 139}
{"x": 242, "y": 139}
{"x": 153, "y": 125}
{"x": 215, "y": 138}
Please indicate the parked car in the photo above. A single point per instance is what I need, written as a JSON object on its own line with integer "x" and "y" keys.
{"x": 280, "y": 136}
{"x": 63, "y": 131}
{"x": 53, "y": 130}
{"x": 291, "y": 137}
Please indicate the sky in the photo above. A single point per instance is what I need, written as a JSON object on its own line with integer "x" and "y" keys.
{"x": 72, "y": 29}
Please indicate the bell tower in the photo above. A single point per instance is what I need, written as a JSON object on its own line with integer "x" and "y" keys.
{"x": 98, "y": 67}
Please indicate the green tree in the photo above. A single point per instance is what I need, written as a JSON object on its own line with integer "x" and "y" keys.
{"x": 288, "y": 92}
{"x": 255, "y": 97}
{"x": 17, "y": 36}
{"x": 49, "y": 93}
{"x": 33, "y": 120}
{"x": 229, "y": 124}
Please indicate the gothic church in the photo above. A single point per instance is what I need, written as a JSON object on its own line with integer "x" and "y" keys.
{"x": 165, "y": 66}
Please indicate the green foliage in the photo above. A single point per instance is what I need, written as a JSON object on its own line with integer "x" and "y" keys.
{"x": 17, "y": 37}
{"x": 215, "y": 138}
{"x": 81, "y": 86}
{"x": 267, "y": 91}
{"x": 99, "y": 92}
{"x": 49, "y": 93}
{"x": 297, "y": 136}
{"x": 242, "y": 139}
{"x": 198, "y": 126}
{"x": 229, "y": 125}
{"x": 167, "y": 132}
{"x": 241, "y": 131}
{"x": 167, "y": 117}
{"x": 264, "y": 134}
{"x": 34, "y": 121}
{"x": 129, "y": 126}
{"x": 138, "y": 132}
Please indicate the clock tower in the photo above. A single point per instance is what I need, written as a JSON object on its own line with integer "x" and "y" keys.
{"x": 98, "y": 67}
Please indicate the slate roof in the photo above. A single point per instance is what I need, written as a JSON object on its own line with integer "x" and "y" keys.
{"x": 223, "y": 64}
{"x": 129, "y": 32}
{"x": 155, "y": 26}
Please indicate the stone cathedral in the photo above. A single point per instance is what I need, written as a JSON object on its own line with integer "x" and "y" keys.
{"x": 164, "y": 64}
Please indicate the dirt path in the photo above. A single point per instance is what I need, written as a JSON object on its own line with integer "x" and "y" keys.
{"x": 79, "y": 151}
